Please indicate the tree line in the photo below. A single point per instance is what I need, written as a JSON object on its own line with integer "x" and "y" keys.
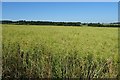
{"x": 104, "y": 25}
{"x": 23, "y": 22}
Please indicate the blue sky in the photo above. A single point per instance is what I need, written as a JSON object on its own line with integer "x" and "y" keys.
{"x": 60, "y": 0}
{"x": 61, "y": 11}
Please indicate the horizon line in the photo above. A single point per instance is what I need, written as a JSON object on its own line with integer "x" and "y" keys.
{"x": 58, "y": 21}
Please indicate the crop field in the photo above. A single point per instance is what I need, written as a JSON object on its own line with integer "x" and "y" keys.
{"x": 31, "y": 51}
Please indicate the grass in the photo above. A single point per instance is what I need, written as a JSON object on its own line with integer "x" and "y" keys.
{"x": 31, "y": 51}
{"x": 0, "y": 50}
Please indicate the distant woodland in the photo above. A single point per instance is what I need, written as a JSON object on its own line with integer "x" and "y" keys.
{"x": 23, "y": 22}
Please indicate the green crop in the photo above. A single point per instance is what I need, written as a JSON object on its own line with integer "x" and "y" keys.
{"x": 31, "y": 51}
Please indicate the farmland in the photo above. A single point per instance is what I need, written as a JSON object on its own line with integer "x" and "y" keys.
{"x": 31, "y": 51}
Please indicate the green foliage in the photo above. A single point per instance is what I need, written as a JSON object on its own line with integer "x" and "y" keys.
{"x": 23, "y": 22}
{"x": 59, "y": 52}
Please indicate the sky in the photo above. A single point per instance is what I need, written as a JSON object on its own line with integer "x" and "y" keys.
{"x": 103, "y": 12}
{"x": 60, "y": 0}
